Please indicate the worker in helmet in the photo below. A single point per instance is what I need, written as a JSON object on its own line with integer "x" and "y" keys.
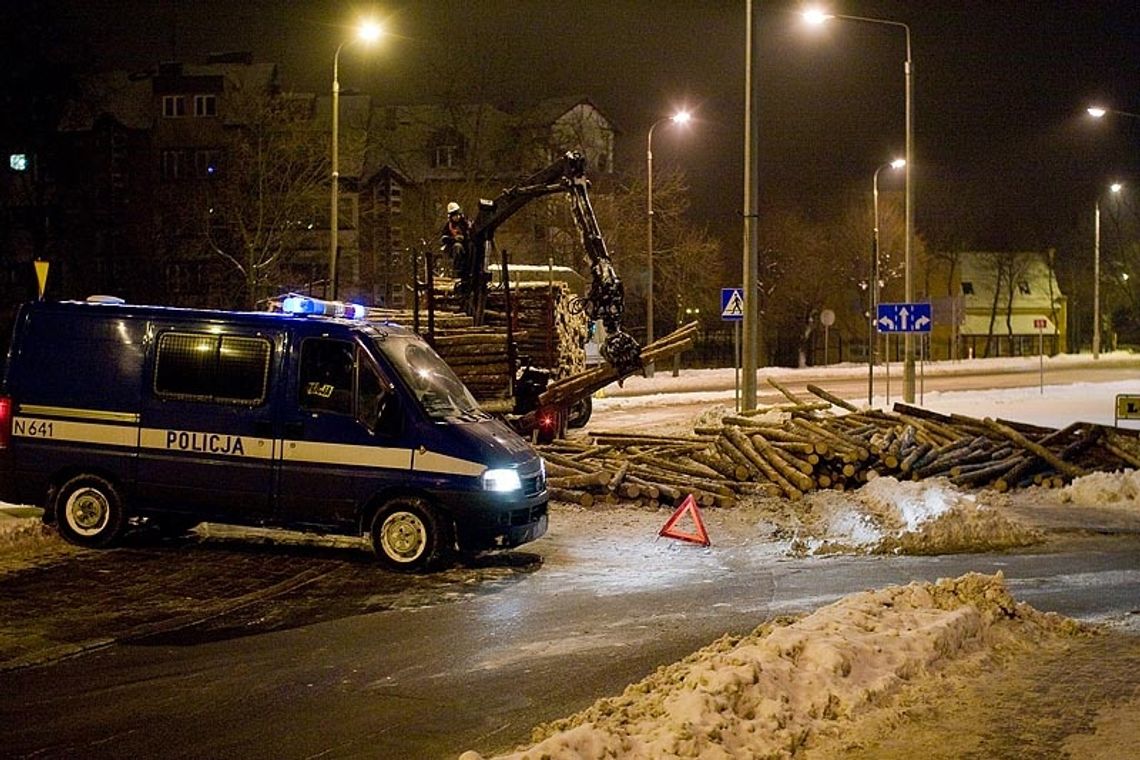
{"x": 453, "y": 242}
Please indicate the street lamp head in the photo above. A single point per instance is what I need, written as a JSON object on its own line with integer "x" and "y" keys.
{"x": 369, "y": 31}
{"x": 898, "y": 163}
{"x": 816, "y": 16}
{"x": 681, "y": 117}
{"x": 1097, "y": 112}
{"x": 1116, "y": 187}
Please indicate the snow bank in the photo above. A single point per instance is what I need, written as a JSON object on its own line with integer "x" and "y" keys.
{"x": 773, "y": 692}
{"x": 1121, "y": 489}
{"x": 888, "y": 516}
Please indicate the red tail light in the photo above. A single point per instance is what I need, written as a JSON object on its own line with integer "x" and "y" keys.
{"x": 5, "y": 421}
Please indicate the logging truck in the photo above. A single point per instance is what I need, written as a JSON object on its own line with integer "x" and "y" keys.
{"x": 520, "y": 347}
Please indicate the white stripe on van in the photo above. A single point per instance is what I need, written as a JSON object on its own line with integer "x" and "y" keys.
{"x": 340, "y": 453}
{"x": 430, "y": 461}
{"x": 222, "y": 444}
{"x": 82, "y": 432}
{"x": 201, "y": 442}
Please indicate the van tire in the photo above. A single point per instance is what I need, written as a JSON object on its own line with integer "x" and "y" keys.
{"x": 409, "y": 535}
{"x": 89, "y": 511}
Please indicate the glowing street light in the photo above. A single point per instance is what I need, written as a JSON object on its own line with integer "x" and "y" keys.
{"x": 368, "y": 32}
{"x": 817, "y": 17}
{"x": 681, "y": 117}
{"x": 1114, "y": 188}
{"x": 1099, "y": 112}
{"x": 873, "y": 285}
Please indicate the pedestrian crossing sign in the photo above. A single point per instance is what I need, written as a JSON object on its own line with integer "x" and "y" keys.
{"x": 732, "y": 304}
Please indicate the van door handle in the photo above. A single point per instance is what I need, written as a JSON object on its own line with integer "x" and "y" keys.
{"x": 294, "y": 429}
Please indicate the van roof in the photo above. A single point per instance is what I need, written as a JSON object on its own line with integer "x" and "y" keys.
{"x": 266, "y": 318}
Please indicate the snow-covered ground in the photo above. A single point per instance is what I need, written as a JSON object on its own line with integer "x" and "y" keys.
{"x": 806, "y": 687}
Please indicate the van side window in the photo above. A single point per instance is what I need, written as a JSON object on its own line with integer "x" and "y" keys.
{"x": 326, "y": 375}
{"x": 230, "y": 369}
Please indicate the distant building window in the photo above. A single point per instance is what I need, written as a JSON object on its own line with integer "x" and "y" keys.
{"x": 174, "y": 165}
{"x": 445, "y": 157}
{"x": 206, "y": 163}
{"x": 967, "y": 288}
{"x": 173, "y": 106}
{"x": 1023, "y": 287}
{"x": 205, "y": 105}
{"x": 447, "y": 148}
{"x": 18, "y": 162}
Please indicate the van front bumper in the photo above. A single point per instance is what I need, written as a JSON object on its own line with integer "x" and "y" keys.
{"x": 486, "y": 521}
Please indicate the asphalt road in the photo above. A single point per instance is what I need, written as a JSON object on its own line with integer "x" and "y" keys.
{"x": 351, "y": 661}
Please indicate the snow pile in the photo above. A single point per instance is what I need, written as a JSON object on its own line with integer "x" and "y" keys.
{"x": 1121, "y": 489}
{"x": 20, "y": 530}
{"x": 909, "y": 517}
{"x": 792, "y": 682}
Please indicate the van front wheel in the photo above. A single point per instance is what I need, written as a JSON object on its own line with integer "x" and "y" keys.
{"x": 89, "y": 511}
{"x": 409, "y": 535}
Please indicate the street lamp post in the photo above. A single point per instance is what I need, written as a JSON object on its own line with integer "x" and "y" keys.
{"x": 681, "y": 117}
{"x": 1115, "y": 188}
{"x": 818, "y": 17}
{"x": 367, "y": 32}
{"x": 873, "y": 285}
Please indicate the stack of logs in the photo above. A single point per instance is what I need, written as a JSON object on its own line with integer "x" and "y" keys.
{"x": 478, "y": 355}
{"x": 550, "y": 328}
{"x": 548, "y": 331}
{"x": 804, "y": 447}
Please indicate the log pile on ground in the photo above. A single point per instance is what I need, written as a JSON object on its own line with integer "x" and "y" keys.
{"x": 802, "y": 445}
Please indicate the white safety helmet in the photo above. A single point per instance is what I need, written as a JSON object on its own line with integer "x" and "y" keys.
{"x": 452, "y": 208}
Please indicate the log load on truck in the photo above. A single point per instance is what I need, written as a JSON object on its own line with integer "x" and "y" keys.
{"x": 525, "y": 400}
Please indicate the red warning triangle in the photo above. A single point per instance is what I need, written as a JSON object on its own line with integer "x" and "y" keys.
{"x": 689, "y": 506}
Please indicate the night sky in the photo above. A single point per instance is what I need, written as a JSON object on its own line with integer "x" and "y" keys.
{"x": 1004, "y": 151}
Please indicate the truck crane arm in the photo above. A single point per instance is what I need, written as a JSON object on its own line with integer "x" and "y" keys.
{"x": 605, "y": 297}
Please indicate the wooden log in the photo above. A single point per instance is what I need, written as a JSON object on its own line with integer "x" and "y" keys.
{"x": 786, "y": 393}
{"x": 713, "y": 460}
{"x": 765, "y": 467}
{"x": 736, "y": 456}
{"x": 581, "y": 498}
{"x": 1040, "y": 451}
{"x": 831, "y": 399}
{"x": 615, "y": 482}
{"x": 580, "y": 481}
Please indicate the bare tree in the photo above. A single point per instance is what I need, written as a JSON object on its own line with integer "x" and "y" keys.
{"x": 268, "y": 193}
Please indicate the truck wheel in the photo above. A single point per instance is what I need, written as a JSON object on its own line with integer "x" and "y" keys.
{"x": 409, "y": 535}
{"x": 89, "y": 511}
{"x": 580, "y": 413}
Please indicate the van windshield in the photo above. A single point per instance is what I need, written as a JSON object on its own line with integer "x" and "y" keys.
{"x": 441, "y": 394}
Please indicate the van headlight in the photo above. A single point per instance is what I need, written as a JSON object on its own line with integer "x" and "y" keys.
{"x": 501, "y": 480}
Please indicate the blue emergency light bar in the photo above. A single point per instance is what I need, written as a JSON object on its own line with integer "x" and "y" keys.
{"x": 304, "y": 305}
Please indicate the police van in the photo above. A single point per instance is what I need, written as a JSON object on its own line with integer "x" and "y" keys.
{"x": 111, "y": 412}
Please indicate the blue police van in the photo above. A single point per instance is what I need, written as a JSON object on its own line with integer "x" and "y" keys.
{"x": 112, "y": 414}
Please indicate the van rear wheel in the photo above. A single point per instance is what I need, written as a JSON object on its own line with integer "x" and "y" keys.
{"x": 409, "y": 535}
{"x": 89, "y": 511}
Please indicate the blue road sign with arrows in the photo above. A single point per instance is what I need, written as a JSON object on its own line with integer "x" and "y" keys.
{"x": 904, "y": 318}
{"x": 732, "y": 304}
